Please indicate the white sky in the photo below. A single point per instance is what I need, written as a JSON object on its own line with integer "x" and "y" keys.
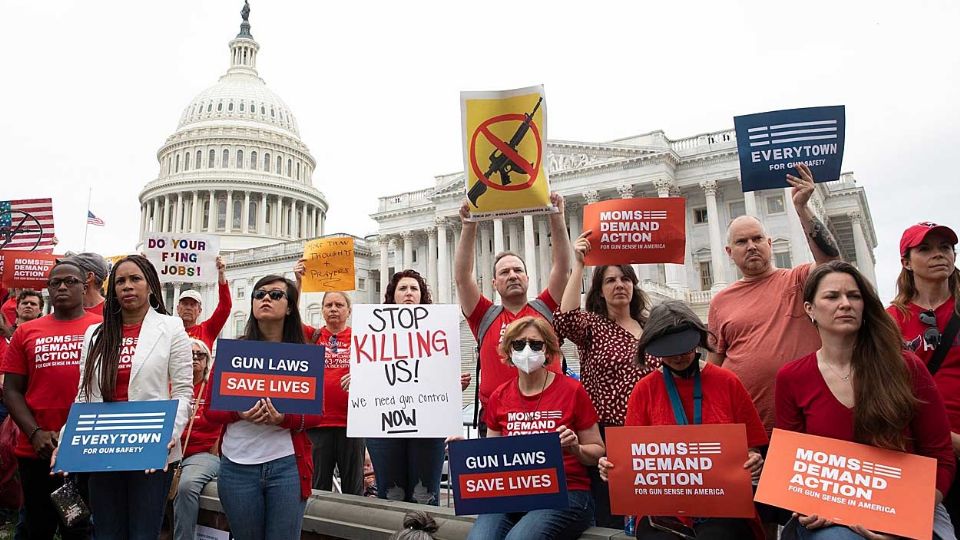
{"x": 92, "y": 89}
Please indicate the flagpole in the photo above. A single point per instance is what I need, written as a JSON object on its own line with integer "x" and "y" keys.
{"x": 86, "y": 219}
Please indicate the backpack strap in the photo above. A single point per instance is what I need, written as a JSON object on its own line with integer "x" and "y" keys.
{"x": 486, "y": 322}
{"x": 946, "y": 341}
{"x": 541, "y": 307}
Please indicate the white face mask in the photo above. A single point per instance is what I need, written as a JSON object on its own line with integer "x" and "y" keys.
{"x": 528, "y": 360}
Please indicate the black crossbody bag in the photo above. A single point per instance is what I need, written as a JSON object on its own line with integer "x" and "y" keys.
{"x": 946, "y": 341}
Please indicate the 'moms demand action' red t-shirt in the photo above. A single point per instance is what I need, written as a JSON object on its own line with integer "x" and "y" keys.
{"x": 128, "y": 346}
{"x": 563, "y": 403}
{"x": 47, "y": 352}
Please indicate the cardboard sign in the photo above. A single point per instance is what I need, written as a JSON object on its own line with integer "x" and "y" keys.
{"x": 504, "y": 141}
{"x": 209, "y": 533}
{"x": 117, "y": 436}
{"x": 183, "y": 258}
{"x": 405, "y": 371}
{"x": 692, "y": 471}
{"x": 849, "y": 483}
{"x": 770, "y": 145}
{"x": 26, "y": 269}
{"x": 330, "y": 265}
{"x": 508, "y": 474}
{"x": 291, "y": 375}
{"x": 629, "y": 231}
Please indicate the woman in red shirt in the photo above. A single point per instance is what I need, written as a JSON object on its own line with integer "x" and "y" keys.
{"x": 606, "y": 334}
{"x": 861, "y": 387}
{"x": 529, "y": 343}
{"x": 668, "y": 397}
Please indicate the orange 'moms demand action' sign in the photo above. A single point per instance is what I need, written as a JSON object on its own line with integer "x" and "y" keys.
{"x": 628, "y": 231}
{"x": 849, "y": 483}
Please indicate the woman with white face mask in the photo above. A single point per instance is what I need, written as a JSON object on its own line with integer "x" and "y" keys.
{"x": 529, "y": 343}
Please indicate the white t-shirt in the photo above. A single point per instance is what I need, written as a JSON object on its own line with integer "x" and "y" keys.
{"x": 247, "y": 443}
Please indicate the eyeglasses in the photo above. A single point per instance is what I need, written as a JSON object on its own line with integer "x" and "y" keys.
{"x": 518, "y": 345}
{"x": 275, "y": 294}
{"x": 68, "y": 281}
{"x": 199, "y": 354}
{"x": 932, "y": 334}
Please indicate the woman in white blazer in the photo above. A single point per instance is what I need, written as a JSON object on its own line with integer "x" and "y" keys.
{"x": 139, "y": 353}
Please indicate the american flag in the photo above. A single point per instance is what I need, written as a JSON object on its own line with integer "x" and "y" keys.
{"x": 27, "y": 224}
{"x": 94, "y": 220}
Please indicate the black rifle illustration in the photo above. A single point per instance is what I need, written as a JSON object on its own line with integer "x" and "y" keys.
{"x": 500, "y": 163}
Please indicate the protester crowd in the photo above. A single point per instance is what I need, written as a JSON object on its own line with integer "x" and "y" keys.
{"x": 809, "y": 349}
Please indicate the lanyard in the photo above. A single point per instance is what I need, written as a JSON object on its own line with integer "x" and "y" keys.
{"x": 678, "y": 413}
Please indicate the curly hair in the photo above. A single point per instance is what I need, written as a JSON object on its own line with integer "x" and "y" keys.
{"x": 389, "y": 296}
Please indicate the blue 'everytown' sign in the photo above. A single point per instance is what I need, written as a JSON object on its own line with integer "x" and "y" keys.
{"x": 770, "y": 145}
{"x": 118, "y": 436}
{"x": 291, "y": 375}
{"x": 508, "y": 474}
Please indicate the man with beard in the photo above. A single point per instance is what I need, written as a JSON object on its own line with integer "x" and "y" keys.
{"x": 487, "y": 320}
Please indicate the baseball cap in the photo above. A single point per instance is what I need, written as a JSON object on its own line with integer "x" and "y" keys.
{"x": 679, "y": 340}
{"x": 90, "y": 262}
{"x": 914, "y": 235}
{"x": 192, "y": 295}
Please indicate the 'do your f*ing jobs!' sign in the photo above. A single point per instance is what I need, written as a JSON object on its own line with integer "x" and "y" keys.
{"x": 183, "y": 258}
{"x": 405, "y": 371}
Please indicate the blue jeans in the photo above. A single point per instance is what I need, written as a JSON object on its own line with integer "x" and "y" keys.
{"x": 407, "y": 469}
{"x": 546, "y": 524}
{"x": 198, "y": 470}
{"x": 128, "y": 505}
{"x": 262, "y": 502}
{"x": 942, "y": 529}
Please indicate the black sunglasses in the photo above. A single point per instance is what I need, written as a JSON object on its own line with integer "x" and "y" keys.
{"x": 518, "y": 345}
{"x": 68, "y": 281}
{"x": 275, "y": 294}
{"x": 199, "y": 354}
{"x": 932, "y": 334}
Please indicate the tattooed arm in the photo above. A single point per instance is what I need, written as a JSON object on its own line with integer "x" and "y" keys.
{"x": 821, "y": 242}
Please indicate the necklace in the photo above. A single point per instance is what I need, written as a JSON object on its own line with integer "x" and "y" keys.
{"x": 835, "y": 372}
{"x": 542, "y": 389}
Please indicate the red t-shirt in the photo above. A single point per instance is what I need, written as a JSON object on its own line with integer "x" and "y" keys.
{"x": 493, "y": 372}
{"x": 336, "y": 364}
{"x": 563, "y": 403}
{"x": 128, "y": 346}
{"x": 47, "y": 352}
{"x": 208, "y": 330}
{"x": 9, "y": 310}
{"x": 806, "y": 404}
{"x": 725, "y": 401}
{"x": 204, "y": 433}
{"x": 96, "y": 310}
{"x": 948, "y": 376}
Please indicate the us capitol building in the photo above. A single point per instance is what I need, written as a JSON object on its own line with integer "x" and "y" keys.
{"x": 236, "y": 167}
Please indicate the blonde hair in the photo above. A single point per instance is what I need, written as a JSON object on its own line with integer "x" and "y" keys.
{"x": 550, "y": 341}
{"x": 206, "y": 350}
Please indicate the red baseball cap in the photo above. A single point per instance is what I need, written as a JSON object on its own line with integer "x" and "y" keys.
{"x": 914, "y": 235}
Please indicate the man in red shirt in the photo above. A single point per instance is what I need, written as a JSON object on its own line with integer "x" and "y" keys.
{"x": 97, "y": 269}
{"x": 510, "y": 280}
{"x": 29, "y": 307}
{"x": 41, "y": 375}
{"x": 190, "y": 305}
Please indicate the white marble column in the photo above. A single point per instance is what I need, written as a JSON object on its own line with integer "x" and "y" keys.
{"x": 282, "y": 217}
{"x": 195, "y": 212}
{"x": 513, "y": 226}
{"x": 407, "y": 261}
{"x": 864, "y": 256}
{"x": 750, "y": 202}
{"x": 154, "y": 205}
{"x": 530, "y": 256}
{"x": 262, "y": 215}
{"x": 485, "y": 263}
{"x": 674, "y": 272}
{"x": 245, "y": 213}
{"x": 545, "y": 261}
{"x": 163, "y": 214}
{"x": 716, "y": 243}
{"x": 384, "y": 267}
{"x": 178, "y": 214}
{"x": 443, "y": 260}
{"x": 212, "y": 214}
{"x": 432, "y": 257}
{"x": 277, "y": 216}
{"x": 302, "y": 225}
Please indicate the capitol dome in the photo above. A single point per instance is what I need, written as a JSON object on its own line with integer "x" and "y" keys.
{"x": 236, "y": 166}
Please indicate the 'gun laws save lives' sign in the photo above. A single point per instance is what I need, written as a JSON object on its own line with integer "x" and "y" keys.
{"x": 628, "y": 231}
{"x": 291, "y": 375}
{"x": 405, "y": 371}
{"x": 518, "y": 473}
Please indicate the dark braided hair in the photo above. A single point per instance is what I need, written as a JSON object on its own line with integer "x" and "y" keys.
{"x": 104, "y": 355}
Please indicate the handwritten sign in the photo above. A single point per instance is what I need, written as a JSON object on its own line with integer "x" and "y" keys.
{"x": 183, "y": 258}
{"x": 850, "y": 483}
{"x": 291, "y": 375}
{"x": 628, "y": 231}
{"x": 330, "y": 265}
{"x": 405, "y": 371}
{"x": 692, "y": 471}
{"x": 771, "y": 144}
{"x": 508, "y": 474}
{"x": 117, "y": 436}
{"x": 26, "y": 269}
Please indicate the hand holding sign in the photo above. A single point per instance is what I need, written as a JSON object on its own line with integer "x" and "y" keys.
{"x": 328, "y": 265}
{"x": 263, "y": 412}
{"x": 582, "y": 247}
{"x": 802, "y": 186}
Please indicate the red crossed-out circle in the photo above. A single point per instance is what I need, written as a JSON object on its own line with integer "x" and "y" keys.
{"x": 532, "y": 170}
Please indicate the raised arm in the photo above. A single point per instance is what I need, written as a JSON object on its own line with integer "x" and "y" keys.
{"x": 821, "y": 242}
{"x": 224, "y": 302}
{"x": 463, "y": 260}
{"x": 571, "y": 294}
{"x": 560, "y": 248}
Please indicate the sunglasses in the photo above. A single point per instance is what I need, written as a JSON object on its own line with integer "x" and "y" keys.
{"x": 932, "y": 334}
{"x": 199, "y": 354}
{"x": 518, "y": 345}
{"x": 275, "y": 294}
{"x": 69, "y": 282}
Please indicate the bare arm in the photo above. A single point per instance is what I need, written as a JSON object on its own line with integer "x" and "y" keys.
{"x": 560, "y": 248}
{"x": 589, "y": 448}
{"x": 821, "y": 242}
{"x": 571, "y": 294}
{"x": 463, "y": 260}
